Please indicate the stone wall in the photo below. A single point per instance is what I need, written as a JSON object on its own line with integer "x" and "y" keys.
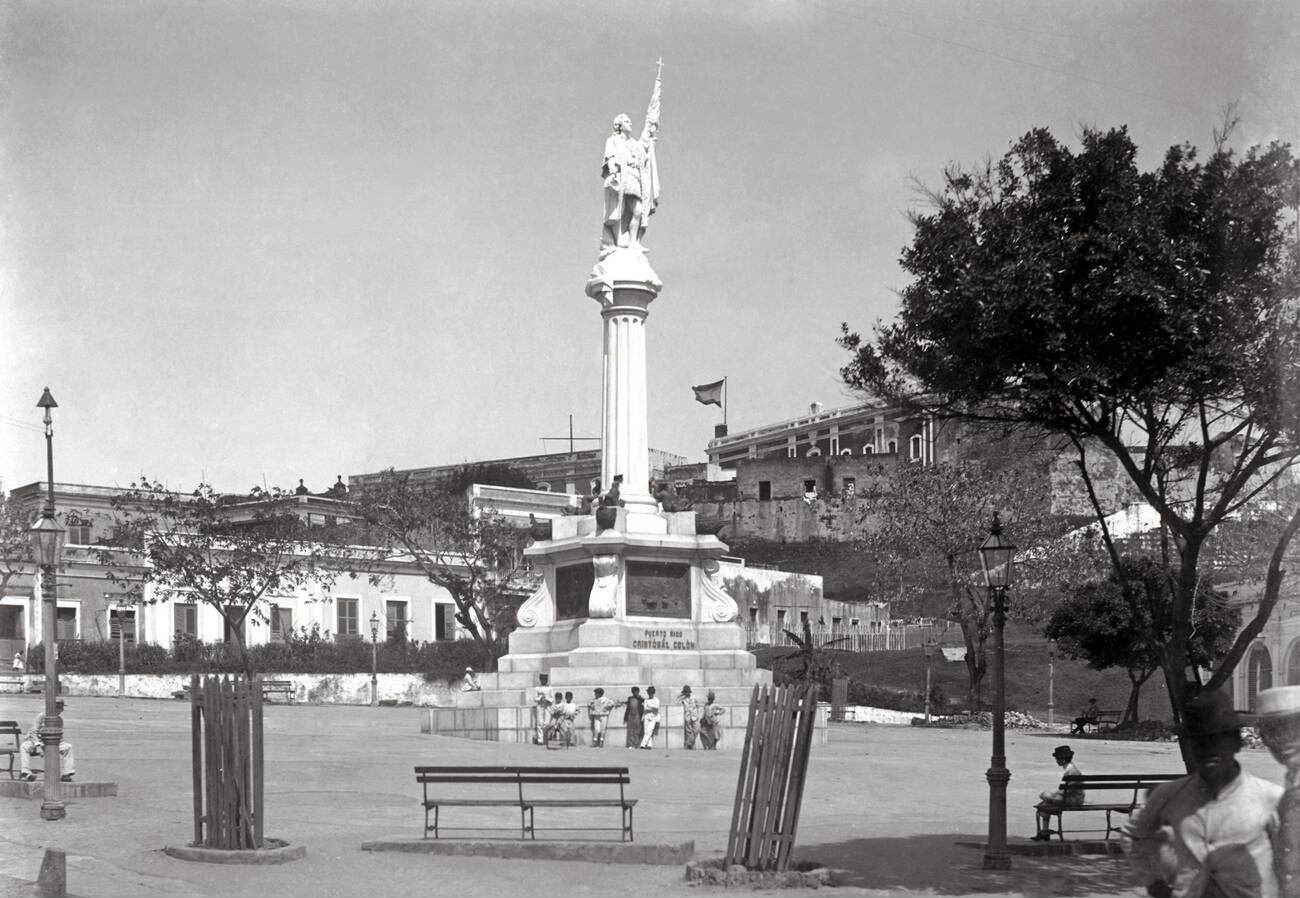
{"x": 327, "y": 689}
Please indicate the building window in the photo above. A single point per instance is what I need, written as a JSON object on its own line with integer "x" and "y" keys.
{"x": 914, "y": 448}
{"x": 544, "y": 486}
{"x": 780, "y": 618}
{"x": 121, "y": 624}
{"x": 853, "y": 623}
{"x": 395, "y": 620}
{"x": 850, "y": 485}
{"x": 1259, "y": 674}
{"x": 764, "y": 490}
{"x": 65, "y": 623}
{"x": 281, "y": 623}
{"x": 810, "y": 487}
{"x": 11, "y": 622}
{"x": 803, "y": 618}
{"x": 347, "y": 618}
{"x": 868, "y": 449}
{"x": 753, "y": 616}
{"x": 893, "y": 447}
{"x": 79, "y": 534}
{"x": 814, "y": 452}
{"x": 444, "y": 621}
{"x": 316, "y": 520}
{"x": 185, "y": 619}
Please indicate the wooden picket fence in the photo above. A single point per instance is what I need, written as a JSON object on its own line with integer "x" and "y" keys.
{"x": 226, "y": 745}
{"x": 773, "y": 768}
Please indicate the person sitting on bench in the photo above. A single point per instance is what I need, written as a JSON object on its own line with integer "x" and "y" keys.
{"x": 1087, "y": 716}
{"x": 1050, "y": 801}
{"x": 34, "y": 747}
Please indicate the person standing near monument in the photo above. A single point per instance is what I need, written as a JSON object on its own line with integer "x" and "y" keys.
{"x": 690, "y": 718}
{"x": 541, "y": 712}
{"x": 598, "y": 712}
{"x": 1211, "y": 832}
{"x": 568, "y": 716}
{"x": 711, "y": 722}
{"x": 634, "y": 707}
{"x": 649, "y": 718}
{"x": 1279, "y": 726}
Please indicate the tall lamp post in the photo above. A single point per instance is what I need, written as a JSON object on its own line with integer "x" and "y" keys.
{"x": 48, "y": 538}
{"x": 1051, "y": 685}
{"x": 996, "y": 555}
{"x": 929, "y": 654}
{"x": 374, "y": 659}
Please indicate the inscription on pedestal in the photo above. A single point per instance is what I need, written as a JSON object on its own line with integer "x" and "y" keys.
{"x": 656, "y": 589}
{"x": 662, "y": 639}
{"x": 572, "y": 590}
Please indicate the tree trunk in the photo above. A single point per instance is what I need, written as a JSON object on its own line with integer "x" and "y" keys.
{"x": 1136, "y": 678}
{"x": 976, "y": 663}
{"x": 1176, "y": 653}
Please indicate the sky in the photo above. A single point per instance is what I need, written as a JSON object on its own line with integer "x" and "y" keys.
{"x": 246, "y": 243}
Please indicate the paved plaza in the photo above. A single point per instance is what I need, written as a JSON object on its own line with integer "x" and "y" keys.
{"x": 888, "y": 805}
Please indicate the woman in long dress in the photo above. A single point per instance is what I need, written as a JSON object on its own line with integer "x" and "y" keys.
{"x": 711, "y": 723}
{"x": 632, "y": 717}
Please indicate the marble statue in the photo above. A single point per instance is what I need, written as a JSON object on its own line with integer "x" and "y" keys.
{"x": 631, "y": 179}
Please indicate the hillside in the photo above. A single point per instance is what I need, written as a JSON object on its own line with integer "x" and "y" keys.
{"x": 1026, "y": 678}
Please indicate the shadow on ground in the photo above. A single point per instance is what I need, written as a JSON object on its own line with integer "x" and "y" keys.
{"x": 937, "y": 863}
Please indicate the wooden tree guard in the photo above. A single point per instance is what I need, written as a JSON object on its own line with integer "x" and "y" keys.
{"x": 773, "y": 768}
{"x": 226, "y": 750}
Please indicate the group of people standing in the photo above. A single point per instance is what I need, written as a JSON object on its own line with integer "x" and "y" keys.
{"x": 642, "y": 715}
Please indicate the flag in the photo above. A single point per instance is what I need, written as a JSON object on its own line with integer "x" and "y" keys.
{"x": 710, "y": 394}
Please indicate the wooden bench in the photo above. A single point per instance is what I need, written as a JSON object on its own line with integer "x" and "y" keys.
{"x": 279, "y": 687}
{"x": 10, "y": 732}
{"x": 1135, "y": 784}
{"x": 518, "y": 777}
{"x": 1105, "y": 721}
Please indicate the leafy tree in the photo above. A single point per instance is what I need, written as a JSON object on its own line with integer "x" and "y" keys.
{"x": 810, "y": 662}
{"x": 230, "y": 552}
{"x": 475, "y": 554}
{"x": 1125, "y": 621}
{"x": 17, "y": 557}
{"x": 924, "y": 524}
{"x": 1148, "y": 317}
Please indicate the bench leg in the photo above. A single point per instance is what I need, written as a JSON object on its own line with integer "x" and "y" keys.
{"x": 436, "y": 809}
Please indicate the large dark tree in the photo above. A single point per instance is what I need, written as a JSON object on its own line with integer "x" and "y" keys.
{"x": 1125, "y": 622}
{"x": 1147, "y": 316}
{"x": 473, "y": 553}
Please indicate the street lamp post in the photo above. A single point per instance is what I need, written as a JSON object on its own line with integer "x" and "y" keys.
{"x": 996, "y": 555}
{"x": 1051, "y": 686}
{"x": 374, "y": 659}
{"x": 48, "y": 538}
{"x": 929, "y": 654}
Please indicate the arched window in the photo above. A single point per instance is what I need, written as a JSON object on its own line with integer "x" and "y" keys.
{"x": 544, "y": 486}
{"x": 1293, "y": 664}
{"x": 814, "y": 452}
{"x": 868, "y": 449}
{"x": 1259, "y": 674}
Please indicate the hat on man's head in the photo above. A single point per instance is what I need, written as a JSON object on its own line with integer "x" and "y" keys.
{"x": 469, "y": 670}
{"x": 1209, "y": 713}
{"x": 1280, "y": 701}
{"x": 1063, "y": 751}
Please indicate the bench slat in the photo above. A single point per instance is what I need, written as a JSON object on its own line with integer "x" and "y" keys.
{"x": 579, "y": 802}
{"x": 471, "y": 802}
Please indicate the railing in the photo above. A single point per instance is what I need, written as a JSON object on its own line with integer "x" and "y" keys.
{"x": 855, "y": 639}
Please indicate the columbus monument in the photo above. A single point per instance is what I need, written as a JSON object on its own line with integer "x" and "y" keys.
{"x": 630, "y": 594}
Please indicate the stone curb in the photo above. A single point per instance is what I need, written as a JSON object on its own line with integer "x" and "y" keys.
{"x": 36, "y": 790}
{"x": 280, "y": 853}
{"x": 592, "y": 852}
{"x": 1112, "y": 848}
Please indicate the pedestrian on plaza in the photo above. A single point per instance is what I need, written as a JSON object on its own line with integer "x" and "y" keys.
{"x": 598, "y": 713}
{"x": 557, "y": 717}
{"x": 568, "y": 716}
{"x": 690, "y": 718}
{"x": 33, "y": 746}
{"x": 711, "y": 722}
{"x": 1087, "y": 716}
{"x": 1211, "y": 832}
{"x": 20, "y": 663}
{"x": 542, "y": 714}
{"x": 649, "y": 719}
{"x": 1051, "y": 802}
{"x": 471, "y": 683}
{"x": 634, "y": 708}
{"x": 1279, "y": 726}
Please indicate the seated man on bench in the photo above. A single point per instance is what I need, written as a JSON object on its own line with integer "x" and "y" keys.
{"x": 1086, "y": 718}
{"x": 34, "y": 747}
{"x": 1050, "y": 801}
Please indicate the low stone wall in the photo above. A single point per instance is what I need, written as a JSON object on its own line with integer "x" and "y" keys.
{"x": 864, "y": 714}
{"x": 326, "y": 689}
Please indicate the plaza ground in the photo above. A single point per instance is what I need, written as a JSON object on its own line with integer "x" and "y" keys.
{"x": 887, "y": 805}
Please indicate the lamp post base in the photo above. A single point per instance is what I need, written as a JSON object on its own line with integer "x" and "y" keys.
{"x": 997, "y": 862}
{"x": 53, "y": 810}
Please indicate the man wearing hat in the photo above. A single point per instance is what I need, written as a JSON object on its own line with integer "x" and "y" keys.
{"x": 690, "y": 717}
{"x": 1051, "y": 802}
{"x": 1211, "y": 832}
{"x": 1279, "y": 726}
{"x": 33, "y": 747}
{"x": 471, "y": 681}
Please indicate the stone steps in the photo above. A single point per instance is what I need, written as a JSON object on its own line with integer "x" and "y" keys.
{"x": 509, "y": 698}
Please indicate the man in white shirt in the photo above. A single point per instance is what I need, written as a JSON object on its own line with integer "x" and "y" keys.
{"x": 649, "y": 718}
{"x": 34, "y": 747}
{"x": 1211, "y": 832}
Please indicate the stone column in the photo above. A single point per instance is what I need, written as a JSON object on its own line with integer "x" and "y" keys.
{"x": 625, "y": 285}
